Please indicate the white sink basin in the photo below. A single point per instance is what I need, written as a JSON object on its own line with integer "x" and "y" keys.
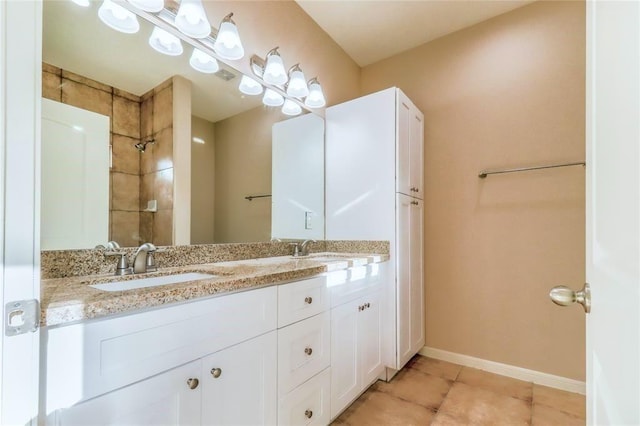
{"x": 151, "y": 282}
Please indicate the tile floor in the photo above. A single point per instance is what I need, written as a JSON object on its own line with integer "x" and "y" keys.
{"x": 432, "y": 392}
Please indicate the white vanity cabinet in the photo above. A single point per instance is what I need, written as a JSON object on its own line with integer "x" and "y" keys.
{"x": 374, "y": 190}
{"x": 356, "y": 335}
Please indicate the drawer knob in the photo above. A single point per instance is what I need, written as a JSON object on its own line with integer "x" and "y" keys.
{"x": 368, "y": 305}
{"x": 308, "y": 350}
{"x": 193, "y": 383}
{"x": 216, "y": 372}
{"x": 308, "y": 414}
{"x": 308, "y": 300}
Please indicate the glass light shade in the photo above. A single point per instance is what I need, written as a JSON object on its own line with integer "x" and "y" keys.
{"x": 249, "y": 86}
{"x": 272, "y": 98}
{"x": 274, "y": 72}
{"x": 202, "y": 62}
{"x": 192, "y": 19}
{"x": 83, "y": 3}
{"x": 118, "y": 18}
{"x": 297, "y": 85}
{"x": 291, "y": 108}
{"x": 165, "y": 43}
{"x": 153, "y": 6}
{"x": 228, "y": 44}
{"x": 316, "y": 97}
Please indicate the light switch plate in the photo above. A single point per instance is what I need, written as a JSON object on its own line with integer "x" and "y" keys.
{"x": 307, "y": 220}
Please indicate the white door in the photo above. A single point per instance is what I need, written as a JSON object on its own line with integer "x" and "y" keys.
{"x": 344, "y": 355}
{"x": 239, "y": 384}
{"x": 20, "y": 91}
{"x": 403, "y": 278}
{"x": 75, "y": 177}
{"x": 613, "y": 212}
{"x": 370, "y": 339}
{"x": 417, "y": 276}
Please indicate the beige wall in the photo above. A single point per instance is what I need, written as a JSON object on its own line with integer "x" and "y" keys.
{"x": 202, "y": 181}
{"x": 243, "y": 167}
{"x": 507, "y": 92}
{"x": 264, "y": 25}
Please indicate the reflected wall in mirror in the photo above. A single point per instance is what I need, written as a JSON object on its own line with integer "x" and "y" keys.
{"x": 158, "y": 108}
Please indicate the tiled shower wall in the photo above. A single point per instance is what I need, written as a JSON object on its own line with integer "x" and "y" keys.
{"x": 156, "y": 164}
{"x": 134, "y": 177}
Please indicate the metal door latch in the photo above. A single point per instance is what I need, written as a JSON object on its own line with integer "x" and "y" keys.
{"x": 22, "y": 316}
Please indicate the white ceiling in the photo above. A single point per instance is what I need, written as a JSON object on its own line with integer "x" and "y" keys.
{"x": 370, "y": 31}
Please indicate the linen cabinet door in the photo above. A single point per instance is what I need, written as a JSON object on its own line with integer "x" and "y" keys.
{"x": 170, "y": 398}
{"x": 403, "y": 277}
{"x": 370, "y": 338}
{"x": 404, "y": 114}
{"x": 416, "y": 147}
{"x": 239, "y": 384}
{"x": 345, "y": 384}
{"x": 417, "y": 277}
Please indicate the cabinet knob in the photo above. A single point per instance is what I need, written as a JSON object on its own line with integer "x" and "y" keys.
{"x": 360, "y": 307}
{"x": 368, "y": 305}
{"x": 216, "y": 372}
{"x": 308, "y": 350}
{"x": 193, "y": 383}
{"x": 308, "y": 300}
{"x": 308, "y": 414}
{"x": 415, "y": 203}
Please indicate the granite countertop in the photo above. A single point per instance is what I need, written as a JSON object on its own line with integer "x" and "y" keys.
{"x": 71, "y": 299}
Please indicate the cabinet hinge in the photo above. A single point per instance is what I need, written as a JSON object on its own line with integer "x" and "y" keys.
{"x": 22, "y": 316}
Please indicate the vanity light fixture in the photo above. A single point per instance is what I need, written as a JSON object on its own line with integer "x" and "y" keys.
{"x": 228, "y": 44}
{"x": 316, "y": 97}
{"x": 118, "y": 18}
{"x": 83, "y": 3}
{"x": 291, "y": 108}
{"x": 200, "y": 61}
{"x": 274, "y": 72}
{"x": 153, "y": 6}
{"x": 191, "y": 19}
{"x": 249, "y": 86}
{"x": 165, "y": 43}
{"x": 272, "y": 98}
{"x": 297, "y": 86}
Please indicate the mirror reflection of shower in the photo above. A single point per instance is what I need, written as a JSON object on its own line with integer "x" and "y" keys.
{"x": 141, "y": 146}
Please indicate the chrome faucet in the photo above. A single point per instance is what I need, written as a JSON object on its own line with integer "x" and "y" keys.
{"x": 300, "y": 248}
{"x": 143, "y": 260}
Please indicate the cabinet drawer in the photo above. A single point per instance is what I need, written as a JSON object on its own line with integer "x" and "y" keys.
{"x": 345, "y": 286}
{"x": 303, "y": 351}
{"x": 302, "y": 299}
{"x": 308, "y": 404}
{"x": 89, "y": 359}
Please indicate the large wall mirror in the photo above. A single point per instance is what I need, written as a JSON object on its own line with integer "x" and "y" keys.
{"x": 118, "y": 119}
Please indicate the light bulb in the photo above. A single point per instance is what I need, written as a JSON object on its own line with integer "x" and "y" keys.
{"x": 249, "y": 86}
{"x": 165, "y": 42}
{"x": 316, "y": 97}
{"x": 228, "y": 44}
{"x": 192, "y": 19}
{"x": 297, "y": 86}
{"x": 272, "y": 98}
{"x": 274, "y": 72}
{"x": 291, "y": 108}
{"x": 153, "y": 6}
{"x": 83, "y": 3}
{"x": 118, "y": 18}
{"x": 200, "y": 61}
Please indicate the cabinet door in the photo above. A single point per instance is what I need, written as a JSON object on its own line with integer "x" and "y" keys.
{"x": 404, "y": 208}
{"x": 165, "y": 399}
{"x": 239, "y": 384}
{"x": 403, "y": 144}
{"x": 416, "y": 148}
{"x": 344, "y": 355}
{"x": 370, "y": 339}
{"x": 417, "y": 277}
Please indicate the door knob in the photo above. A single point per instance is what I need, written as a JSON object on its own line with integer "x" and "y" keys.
{"x": 216, "y": 372}
{"x": 308, "y": 414}
{"x": 193, "y": 383}
{"x": 564, "y": 296}
{"x": 308, "y": 350}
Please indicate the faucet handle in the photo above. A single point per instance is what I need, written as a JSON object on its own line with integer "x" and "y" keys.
{"x": 296, "y": 249}
{"x": 123, "y": 263}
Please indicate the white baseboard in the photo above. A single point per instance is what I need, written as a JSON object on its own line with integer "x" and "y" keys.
{"x": 519, "y": 373}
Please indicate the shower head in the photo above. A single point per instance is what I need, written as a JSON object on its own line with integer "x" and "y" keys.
{"x": 141, "y": 146}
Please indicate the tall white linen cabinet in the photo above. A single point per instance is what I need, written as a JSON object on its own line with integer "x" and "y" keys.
{"x": 374, "y": 191}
